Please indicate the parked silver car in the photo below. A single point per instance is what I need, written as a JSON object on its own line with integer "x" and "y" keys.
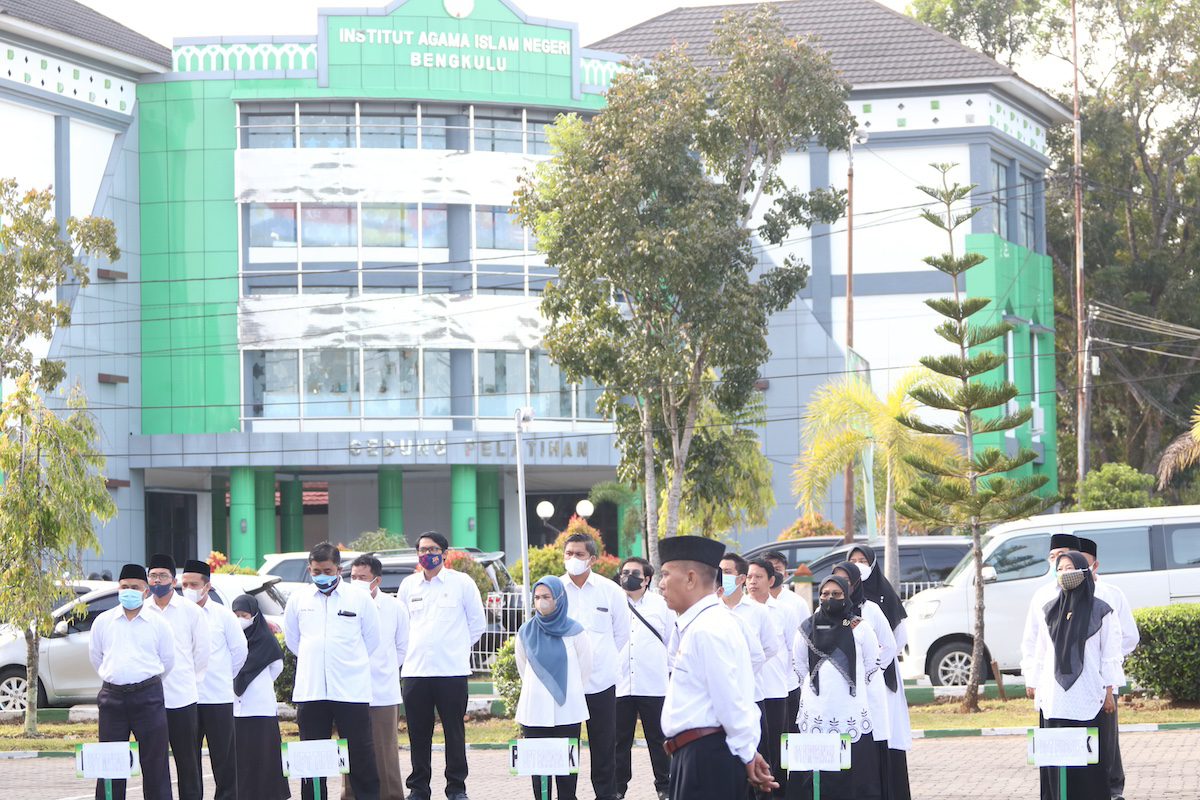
{"x": 65, "y": 673}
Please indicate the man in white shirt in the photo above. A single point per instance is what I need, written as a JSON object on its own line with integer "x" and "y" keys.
{"x": 800, "y": 612}
{"x": 333, "y": 630}
{"x": 709, "y": 717}
{"x": 1059, "y": 543}
{"x": 775, "y": 672}
{"x": 642, "y": 683}
{"x": 227, "y": 654}
{"x": 600, "y": 606}
{"x": 445, "y": 619}
{"x": 181, "y": 687}
{"x": 131, "y": 650}
{"x": 366, "y": 573}
{"x": 1130, "y": 636}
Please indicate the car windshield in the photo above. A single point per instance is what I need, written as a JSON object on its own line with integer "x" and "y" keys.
{"x": 271, "y": 601}
{"x": 503, "y": 580}
{"x": 966, "y": 560}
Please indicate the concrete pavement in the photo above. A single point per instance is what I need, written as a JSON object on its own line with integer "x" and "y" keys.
{"x": 1160, "y": 766}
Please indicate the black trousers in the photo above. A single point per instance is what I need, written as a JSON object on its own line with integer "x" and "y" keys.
{"x": 793, "y": 711}
{"x": 775, "y": 712}
{"x": 448, "y": 698}
{"x": 182, "y": 726}
{"x": 142, "y": 713}
{"x": 1112, "y": 742}
{"x": 650, "y": 711}
{"x": 566, "y": 783}
{"x": 317, "y": 718}
{"x": 706, "y": 770}
{"x": 216, "y": 725}
{"x": 602, "y": 741}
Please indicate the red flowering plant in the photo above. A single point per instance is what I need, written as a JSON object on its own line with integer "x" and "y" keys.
{"x": 461, "y": 561}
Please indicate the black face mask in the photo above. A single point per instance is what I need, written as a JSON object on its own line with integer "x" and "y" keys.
{"x": 834, "y": 608}
{"x": 631, "y": 583}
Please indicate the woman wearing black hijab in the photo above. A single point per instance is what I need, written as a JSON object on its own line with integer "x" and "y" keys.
{"x": 838, "y": 662}
{"x": 877, "y": 589}
{"x": 256, "y": 723}
{"x": 1076, "y": 664}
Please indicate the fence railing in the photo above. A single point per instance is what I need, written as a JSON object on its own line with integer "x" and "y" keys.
{"x": 504, "y": 615}
{"x": 909, "y": 588}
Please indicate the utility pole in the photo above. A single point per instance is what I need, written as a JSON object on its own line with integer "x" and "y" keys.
{"x": 858, "y": 137}
{"x": 1082, "y": 356}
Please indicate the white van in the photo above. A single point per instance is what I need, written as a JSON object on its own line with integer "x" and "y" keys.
{"x": 1152, "y": 554}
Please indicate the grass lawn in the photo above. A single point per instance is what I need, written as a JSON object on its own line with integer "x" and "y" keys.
{"x": 1016, "y": 713}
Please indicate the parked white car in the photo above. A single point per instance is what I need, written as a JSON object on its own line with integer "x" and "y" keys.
{"x": 65, "y": 673}
{"x": 1135, "y": 544}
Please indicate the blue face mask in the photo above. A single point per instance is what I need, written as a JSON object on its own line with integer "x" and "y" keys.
{"x": 130, "y": 598}
{"x": 161, "y": 589}
{"x": 325, "y": 582}
{"x": 729, "y": 584}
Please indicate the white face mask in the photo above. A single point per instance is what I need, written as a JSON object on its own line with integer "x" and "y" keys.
{"x": 544, "y": 606}
{"x": 364, "y": 585}
{"x": 865, "y": 569}
{"x": 245, "y": 623}
{"x": 576, "y": 566}
{"x": 195, "y": 595}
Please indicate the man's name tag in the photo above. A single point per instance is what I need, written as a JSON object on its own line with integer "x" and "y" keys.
{"x": 1064, "y": 747}
{"x": 107, "y": 760}
{"x": 543, "y": 757}
{"x": 318, "y": 758}
{"x": 815, "y": 752}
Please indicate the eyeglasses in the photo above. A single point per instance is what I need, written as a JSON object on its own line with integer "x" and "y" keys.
{"x": 627, "y": 574}
{"x": 160, "y": 577}
{"x": 428, "y": 551}
{"x": 832, "y": 596}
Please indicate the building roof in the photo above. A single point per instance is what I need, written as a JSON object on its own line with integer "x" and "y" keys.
{"x": 868, "y": 42}
{"x": 75, "y": 19}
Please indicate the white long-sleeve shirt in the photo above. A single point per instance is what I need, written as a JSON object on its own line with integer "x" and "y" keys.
{"x": 1101, "y": 668}
{"x": 227, "y": 653}
{"x": 877, "y": 691}
{"x": 643, "y": 659}
{"x": 601, "y": 606}
{"x": 1112, "y": 594}
{"x": 763, "y": 636}
{"x": 333, "y": 637}
{"x": 125, "y": 651}
{"x": 445, "y": 618}
{"x": 393, "y": 644}
{"x": 181, "y": 686}
{"x": 259, "y": 698}
{"x": 779, "y": 667}
{"x": 708, "y": 686}
{"x": 536, "y": 707}
{"x": 799, "y": 611}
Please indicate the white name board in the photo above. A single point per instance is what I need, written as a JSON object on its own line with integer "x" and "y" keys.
{"x": 1064, "y": 747}
{"x": 319, "y": 758}
{"x": 107, "y": 760}
{"x": 812, "y": 752}
{"x": 544, "y": 757}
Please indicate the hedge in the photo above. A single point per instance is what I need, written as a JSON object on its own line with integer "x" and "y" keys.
{"x": 1167, "y": 659}
{"x": 506, "y": 678}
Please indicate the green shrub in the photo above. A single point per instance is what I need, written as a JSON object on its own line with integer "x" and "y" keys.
{"x": 1167, "y": 660}
{"x": 546, "y": 560}
{"x": 1116, "y": 485}
{"x": 378, "y": 540}
{"x": 286, "y": 681}
{"x": 505, "y": 677}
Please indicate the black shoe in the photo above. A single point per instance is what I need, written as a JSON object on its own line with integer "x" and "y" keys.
{"x": 459, "y": 796}
{"x": 416, "y": 796}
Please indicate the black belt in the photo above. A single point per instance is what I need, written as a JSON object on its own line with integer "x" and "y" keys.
{"x": 128, "y": 688}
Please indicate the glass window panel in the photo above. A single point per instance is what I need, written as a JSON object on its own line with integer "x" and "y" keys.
{"x": 1000, "y": 199}
{"x": 331, "y": 383}
{"x": 589, "y": 397}
{"x": 433, "y": 226}
{"x": 261, "y": 284}
{"x": 539, "y": 143}
{"x": 385, "y": 277}
{"x": 387, "y": 131}
{"x": 433, "y": 132}
{"x": 912, "y": 567}
{"x": 1022, "y": 557}
{"x": 271, "y": 225}
{"x": 389, "y": 225}
{"x": 485, "y": 228}
{"x": 941, "y": 560}
{"x": 1027, "y": 205}
{"x": 498, "y": 135}
{"x": 272, "y": 383}
{"x": 328, "y": 226}
{"x": 390, "y": 383}
{"x": 1183, "y": 547}
{"x": 497, "y": 229}
{"x": 435, "y": 384}
{"x": 501, "y": 382}
{"x": 326, "y": 130}
{"x": 268, "y": 130}
{"x": 551, "y": 392}
{"x": 329, "y": 278}
{"x": 1121, "y": 549}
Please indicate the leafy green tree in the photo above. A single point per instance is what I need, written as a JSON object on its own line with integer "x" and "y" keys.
{"x": 1116, "y": 486}
{"x": 53, "y": 492}
{"x": 36, "y": 257}
{"x": 843, "y": 418}
{"x": 1000, "y": 29}
{"x": 377, "y": 540}
{"x": 647, "y": 213}
{"x": 969, "y": 492}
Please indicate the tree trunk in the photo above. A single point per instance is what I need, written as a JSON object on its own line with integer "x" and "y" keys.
{"x": 651, "y": 487}
{"x": 891, "y": 536}
{"x": 681, "y": 449}
{"x": 31, "y": 678}
{"x": 970, "y": 701}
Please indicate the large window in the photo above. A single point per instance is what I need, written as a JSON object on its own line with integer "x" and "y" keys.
{"x": 1027, "y": 203}
{"x": 1000, "y": 188}
{"x": 497, "y": 229}
{"x": 269, "y": 130}
{"x": 331, "y": 383}
{"x": 1121, "y": 549}
{"x": 1021, "y": 557}
{"x": 501, "y": 382}
{"x": 272, "y": 383}
{"x": 272, "y": 225}
{"x": 498, "y": 135}
{"x": 436, "y": 383}
{"x": 328, "y": 225}
{"x": 389, "y": 225}
{"x": 326, "y": 129}
{"x": 390, "y": 383}
{"x": 1183, "y": 547}
{"x": 434, "y": 226}
{"x": 549, "y": 387}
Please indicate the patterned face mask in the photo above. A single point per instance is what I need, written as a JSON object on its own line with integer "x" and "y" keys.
{"x": 1071, "y": 579}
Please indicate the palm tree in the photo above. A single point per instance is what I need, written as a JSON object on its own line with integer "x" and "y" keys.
{"x": 1181, "y": 453}
{"x": 843, "y": 418}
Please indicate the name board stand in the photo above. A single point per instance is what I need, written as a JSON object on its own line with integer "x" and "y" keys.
{"x": 815, "y": 753}
{"x": 315, "y": 759}
{"x": 542, "y": 759}
{"x": 1063, "y": 748}
{"x": 107, "y": 762}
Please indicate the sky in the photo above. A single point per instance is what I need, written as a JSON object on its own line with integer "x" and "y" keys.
{"x": 164, "y": 20}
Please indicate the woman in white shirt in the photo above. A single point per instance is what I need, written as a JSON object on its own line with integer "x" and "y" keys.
{"x": 838, "y": 661}
{"x": 1076, "y": 664}
{"x": 255, "y": 721}
{"x": 553, "y": 656}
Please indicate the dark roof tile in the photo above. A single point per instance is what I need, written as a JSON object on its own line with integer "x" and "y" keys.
{"x": 76, "y": 19}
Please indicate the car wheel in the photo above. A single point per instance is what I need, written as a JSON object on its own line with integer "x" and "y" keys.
{"x": 951, "y": 664}
{"x": 12, "y": 689}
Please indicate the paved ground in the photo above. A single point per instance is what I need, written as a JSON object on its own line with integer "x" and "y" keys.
{"x": 1160, "y": 766}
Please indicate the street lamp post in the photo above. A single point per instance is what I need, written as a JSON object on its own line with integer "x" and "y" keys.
{"x": 523, "y": 418}
{"x": 858, "y": 137}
